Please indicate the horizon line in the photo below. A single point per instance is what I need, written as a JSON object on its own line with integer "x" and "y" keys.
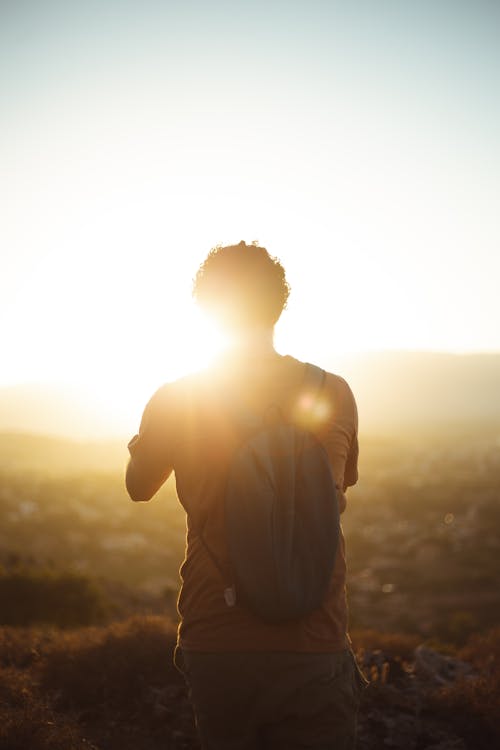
{"x": 82, "y": 384}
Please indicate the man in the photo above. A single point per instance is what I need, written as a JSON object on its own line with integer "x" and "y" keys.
{"x": 253, "y": 684}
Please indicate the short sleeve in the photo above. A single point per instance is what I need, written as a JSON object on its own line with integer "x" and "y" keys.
{"x": 340, "y": 433}
{"x": 351, "y": 465}
{"x": 151, "y": 449}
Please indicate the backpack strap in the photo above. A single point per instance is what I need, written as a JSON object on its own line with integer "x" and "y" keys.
{"x": 226, "y": 574}
{"x": 314, "y": 379}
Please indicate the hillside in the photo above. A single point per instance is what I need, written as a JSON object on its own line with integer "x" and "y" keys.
{"x": 115, "y": 688}
{"x": 422, "y": 557}
{"x": 74, "y": 552}
{"x": 58, "y": 455}
{"x": 415, "y": 389}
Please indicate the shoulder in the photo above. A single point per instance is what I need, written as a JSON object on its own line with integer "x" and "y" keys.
{"x": 342, "y": 396}
{"x": 163, "y": 398}
{"x": 177, "y": 396}
{"x": 334, "y": 383}
{"x": 340, "y": 399}
{"x": 339, "y": 385}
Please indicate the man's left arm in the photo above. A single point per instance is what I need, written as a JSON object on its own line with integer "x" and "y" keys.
{"x": 341, "y": 436}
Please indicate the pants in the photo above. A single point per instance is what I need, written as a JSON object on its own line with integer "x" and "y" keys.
{"x": 273, "y": 701}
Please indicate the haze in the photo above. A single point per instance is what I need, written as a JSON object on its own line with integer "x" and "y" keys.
{"x": 359, "y": 144}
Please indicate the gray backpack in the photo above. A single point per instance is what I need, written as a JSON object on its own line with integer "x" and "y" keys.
{"x": 282, "y": 516}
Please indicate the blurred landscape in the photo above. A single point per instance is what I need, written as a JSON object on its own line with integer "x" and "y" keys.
{"x": 88, "y": 579}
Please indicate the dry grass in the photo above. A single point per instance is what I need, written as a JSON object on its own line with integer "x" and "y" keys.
{"x": 115, "y": 688}
{"x": 107, "y": 688}
{"x": 393, "y": 645}
{"x": 28, "y": 721}
{"x": 475, "y": 702}
{"x": 112, "y": 667}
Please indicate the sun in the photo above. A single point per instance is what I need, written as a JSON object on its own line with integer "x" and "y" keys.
{"x": 164, "y": 354}
{"x": 197, "y": 343}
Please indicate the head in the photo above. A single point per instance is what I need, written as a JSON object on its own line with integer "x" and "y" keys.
{"x": 242, "y": 287}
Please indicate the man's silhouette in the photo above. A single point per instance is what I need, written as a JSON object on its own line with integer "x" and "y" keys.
{"x": 252, "y": 684}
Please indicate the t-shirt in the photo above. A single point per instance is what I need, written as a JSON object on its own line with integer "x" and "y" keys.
{"x": 188, "y": 428}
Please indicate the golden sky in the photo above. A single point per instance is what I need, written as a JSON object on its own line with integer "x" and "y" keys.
{"x": 358, "y": 144}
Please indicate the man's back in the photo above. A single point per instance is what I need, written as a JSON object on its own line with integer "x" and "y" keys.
{"x": 189, "y": 425}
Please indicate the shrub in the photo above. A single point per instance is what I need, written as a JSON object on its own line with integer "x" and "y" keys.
{"x": 112, "y": 688}
{"x": 35, "y": 596}
{"x": 20, "y": 647}
{"x": 114, "y": 667}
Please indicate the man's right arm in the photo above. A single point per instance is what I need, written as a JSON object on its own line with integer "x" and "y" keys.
{"x": 149, "y": 466}
{"x": 140, "y": 481}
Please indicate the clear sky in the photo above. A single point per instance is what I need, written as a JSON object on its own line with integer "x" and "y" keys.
{"x": 358, "y": 141}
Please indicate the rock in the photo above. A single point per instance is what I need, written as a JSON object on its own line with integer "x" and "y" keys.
{"x": 434, "y": 667}
{"x": 448, "y": 743}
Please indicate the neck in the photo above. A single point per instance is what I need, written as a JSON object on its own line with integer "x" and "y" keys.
{"x": 252, "y": 342}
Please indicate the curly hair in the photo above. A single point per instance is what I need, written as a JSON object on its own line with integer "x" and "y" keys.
{"x": 242, "y": 285}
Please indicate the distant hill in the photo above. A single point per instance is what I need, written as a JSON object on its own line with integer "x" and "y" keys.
{"x": 394, "y": 391}
{"x": 420, "y": 390}
{"x": 53, "y": 455}
{"x": 57, "y": 411}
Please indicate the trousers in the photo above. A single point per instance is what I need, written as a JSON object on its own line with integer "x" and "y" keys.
{"x": 273, "y": 701}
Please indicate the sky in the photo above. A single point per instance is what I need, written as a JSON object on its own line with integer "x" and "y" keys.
{"x": 357, "y": 141}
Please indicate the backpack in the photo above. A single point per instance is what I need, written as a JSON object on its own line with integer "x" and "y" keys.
{"x": 282, "y": 516}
